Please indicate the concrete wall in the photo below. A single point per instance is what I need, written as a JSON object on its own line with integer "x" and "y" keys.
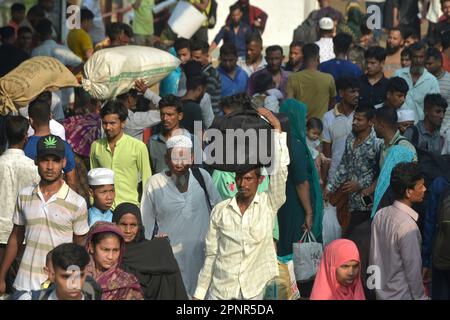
{"x": 284, "y": 17}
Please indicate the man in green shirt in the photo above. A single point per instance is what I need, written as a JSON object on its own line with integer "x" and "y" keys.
{"x": 125, "y": 155}
{"x": 143, "y": 22}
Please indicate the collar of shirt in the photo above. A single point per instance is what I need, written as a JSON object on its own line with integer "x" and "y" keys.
{"x": 394, "y": 139}
{"x": 13, "y": 151}
{"x": 406, "y": 209}
{"x": 367, "y": 141}
{"x": 122, "y": 138}
{"x": 337, "y": 113}
{"x": 236, "y": 75}
{"x": 61, "y": 194}
{"x": 365, "y": 78}
{"x": 97, "y": 210}
{"x": 233, "y": 203}
{"x": 425, "y": 76}
{"x": 424, "y": 131}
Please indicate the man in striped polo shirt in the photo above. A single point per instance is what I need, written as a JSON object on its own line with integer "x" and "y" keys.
{"x": 46, "y": 215}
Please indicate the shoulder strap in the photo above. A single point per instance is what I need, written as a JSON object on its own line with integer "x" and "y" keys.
{"x": 415, "y": 137}
{"x": 399, "y": 140}
{"x": 199, "y": 177}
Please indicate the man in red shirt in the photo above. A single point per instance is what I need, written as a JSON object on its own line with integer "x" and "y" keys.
{"x": 253, "y": 16}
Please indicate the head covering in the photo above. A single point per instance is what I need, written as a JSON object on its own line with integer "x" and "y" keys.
{"x": 116, "y": 284}
{"x": 396, "y": 155}
{"x": 179, "y": 141}
{"x": 100, "y": 177}
{"x": 326, "y": 23}
{"x": 151, "y": 261}
{"x": 50, "y": 145}
{"x": 125, "y": 208}
{"x": 296, "y": 112}
{"x": 406, "y": 115}
{"x": 326, "y": 285}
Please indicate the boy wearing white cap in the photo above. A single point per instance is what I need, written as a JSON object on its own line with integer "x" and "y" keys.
{"x": 326, "y": 27}
{"x": 101, "y": 185}
{"x": 405, "y": 120}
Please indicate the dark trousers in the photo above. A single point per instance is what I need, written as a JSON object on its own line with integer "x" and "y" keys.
{"x": 12, "y": 272}
{"x": 359, "y": 232}
{"x": 440, "y": 285}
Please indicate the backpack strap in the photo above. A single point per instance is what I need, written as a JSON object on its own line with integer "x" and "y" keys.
{"x": 415, "y": 136}
{"x": 200, "y": 179}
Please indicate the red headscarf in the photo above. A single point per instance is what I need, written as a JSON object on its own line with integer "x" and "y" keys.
{"x": 326, "y": 285}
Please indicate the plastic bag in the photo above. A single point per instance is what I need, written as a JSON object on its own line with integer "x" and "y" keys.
{"x": 331, "y": 229}
{"x": 283, "y": 287}
{"x": 113, "y": 71}
{"x": 307, "y": 255}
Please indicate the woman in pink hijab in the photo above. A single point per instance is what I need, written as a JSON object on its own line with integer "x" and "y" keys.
{"x": 339, "y": 276}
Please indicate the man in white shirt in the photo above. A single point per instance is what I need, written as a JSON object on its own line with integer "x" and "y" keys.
{"x": 326, "y": 27}
{"x": 254, "y": 58}
{"x": 17, "y": 171}
{"x": 240, "y": 255}
{"x": 174, "y": 203}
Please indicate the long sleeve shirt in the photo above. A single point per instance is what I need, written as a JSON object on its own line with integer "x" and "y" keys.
{"x": 395, "y": 250}
{"x": 240, "y": 255}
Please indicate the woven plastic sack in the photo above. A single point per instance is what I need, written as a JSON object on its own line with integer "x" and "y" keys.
{"x": 113, "y": 71}
{"x": 29, "y": 79}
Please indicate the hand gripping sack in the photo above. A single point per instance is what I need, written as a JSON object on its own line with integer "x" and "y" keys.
{"x": 29, "y": 79}
{"x": 307, "y": 255}
{"x": 331, "y": 229}
{"x": 113, "y": 71}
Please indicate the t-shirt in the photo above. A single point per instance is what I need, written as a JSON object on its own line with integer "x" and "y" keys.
{"x": 191, "y": 113}
{"x": 79, "y": 41}
{"x": 314, "y": 88}
{"x": 31, "y": 151}
{"x": 143, "y": 18}
{"x": 339, "y": 68}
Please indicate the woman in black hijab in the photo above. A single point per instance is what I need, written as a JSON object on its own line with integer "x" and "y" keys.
{"x": 151, "y": 261}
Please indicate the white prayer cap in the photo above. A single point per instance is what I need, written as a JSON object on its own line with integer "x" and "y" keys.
{"x": 406, "y": 115}
{"x": 326, "y": 23}
{"x": 179, "y": 141}
{"x": 100, "y": 177}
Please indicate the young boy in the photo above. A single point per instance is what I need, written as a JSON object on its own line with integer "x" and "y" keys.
{"x": 49, "y": 270}
{"x": 396, "y": 92}
{"x": 101, "y": 185}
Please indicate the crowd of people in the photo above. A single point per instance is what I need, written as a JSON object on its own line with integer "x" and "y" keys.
{"x": 109, "y": 190}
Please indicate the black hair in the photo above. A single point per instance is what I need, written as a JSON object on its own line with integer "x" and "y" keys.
{"x": 369, "y": 111}
{"x": 263, "y": 82}
{"x": 435, "y": 100}
{"x": 417, "y": 47}
{"x": 98, "y": 237}
{"x": 194, "y": 82}
{"x": 69, "y": 254}
{"x": 378, "y": 53}
{"x": 254, "y": 37}
{"x": 86, "y": 14}
{"x": 44, "y": 28}
{"x": 347, "y": 82}
{"x": 16, "y": 129}
{"x": 23, "y": 29}
{"x": 114, "y": 30}
{"x": 130, "y": 93}
{"x": 171, "y": 101}
{"x": 128, "y": 30}
{"x": 364, "y": 29}
{"x": 203, "y": 46}
{"x": 228, "y": 49}
{"x": 397, "y": 84}
{"x": 39, "y": 111}
{"x": 342, "y": 42}
{"x": 192, "y": 68}
{"x": 434, "y": 53}
{"x": 235, "y": 6}
{"x": 45, "y": 96}
{"x": 142, "y": 104}
{"x": 236, "y": 102}
{"x": 310, "y": 51}
{"x": 299, "y": 44}
{"x": 36, "y": 11}
{"x": 406, "y": 52}
{"x": 274, "y": 49}
{"x": 314, "y": 123}
{"x": 408, "y": 32}
{"x": 182, "y": 43}
{"x": 404, "y": 176}
{"x": 445, "y": 40}
{"x": 387, "y": 115}
{"x": 17, "y": 7}
{"x": 115, "y": 107}
{"x": 83, "y": 101}
{"x": 7, "y": 33}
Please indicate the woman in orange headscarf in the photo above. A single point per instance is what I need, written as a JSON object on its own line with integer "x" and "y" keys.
{"x": 339, "y": 275}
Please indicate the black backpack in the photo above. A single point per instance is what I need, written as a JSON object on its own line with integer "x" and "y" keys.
{"x": 307, "y": 31}
{"x": 441, "y": 249}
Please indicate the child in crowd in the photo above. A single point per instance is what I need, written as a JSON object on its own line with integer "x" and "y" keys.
{"x": 405, "y": 120}
{"x": 101, "y": 185}
{"x": 49, "y": 270}
{"x": 315, "y": 128}
{"x": 405, "y": 57}
{"x": 266, "y": 95}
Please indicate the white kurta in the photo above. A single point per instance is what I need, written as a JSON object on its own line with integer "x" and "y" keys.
{"x": 184, "y": 217}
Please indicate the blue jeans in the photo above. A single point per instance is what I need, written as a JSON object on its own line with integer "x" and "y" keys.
{"x": 440, "y": 285}
{"x": 377, "y": 32}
